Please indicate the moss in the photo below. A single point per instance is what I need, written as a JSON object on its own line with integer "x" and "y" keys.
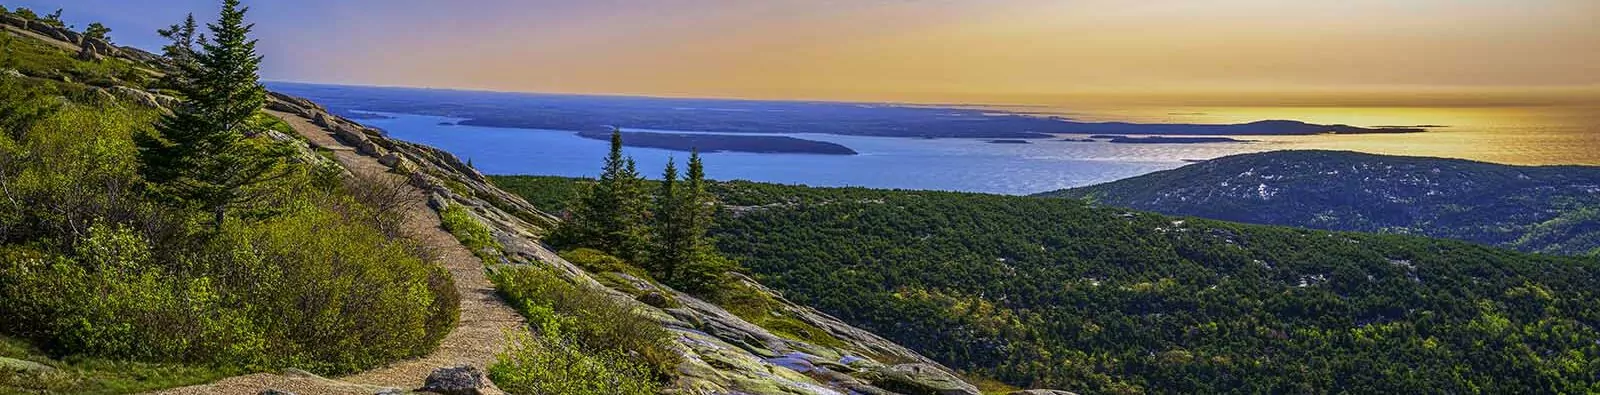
{"x": 762, "y": 309}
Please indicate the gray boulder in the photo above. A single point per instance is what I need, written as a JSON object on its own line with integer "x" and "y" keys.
{"x": 918, "y": 379}
{"x": 457, "y": 380}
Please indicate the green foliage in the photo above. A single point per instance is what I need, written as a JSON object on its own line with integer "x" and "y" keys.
{"x": 589, "y": 318}
{"x": 54, "y": 19}
{"x": 26, "y": 13}
{"x": 471, "y": 233}
{"x": 548, "y": 193}
{"x": 26, "y": 105}
{"x": 199, "y": 155}
{"x": 552, "y": 364}
{"x": 1057, "y": 293}
{"x": 124, "y": 294}
{"x": 94, "y": 376}
{"x": 97, "y": 31}
{"x": 760, "y": 308}
{"x": 611, "y": 214}
{"x": 37, "y": 59}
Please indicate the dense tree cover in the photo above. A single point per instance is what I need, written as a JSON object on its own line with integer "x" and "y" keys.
{"x": 1550, "y": 209}
{"x": 104, "y": 277}
{"x": 662, "y": 232}
{"x": 1063, "y": 294}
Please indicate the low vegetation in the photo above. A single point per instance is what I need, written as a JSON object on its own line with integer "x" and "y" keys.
{"x": 129, "y": 262}
{"x": 585, "y": 329}
{"x": 471, "y": 233}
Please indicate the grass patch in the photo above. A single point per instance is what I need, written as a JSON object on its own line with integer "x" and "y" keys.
{"x": 553, "y": 364}
{"x": 762, "y": 309}
{"x": 472, "y": 234}
{"x": 590, "y": 319}
{"x": 94, "y": 376}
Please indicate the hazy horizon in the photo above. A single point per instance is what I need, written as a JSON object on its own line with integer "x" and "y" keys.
{"x": 1366, "y": 53}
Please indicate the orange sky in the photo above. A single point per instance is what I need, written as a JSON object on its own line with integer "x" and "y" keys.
{"x": 1379, "y": 52}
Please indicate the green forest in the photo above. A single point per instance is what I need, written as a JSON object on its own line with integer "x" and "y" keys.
{"x": 1058, "y": 293}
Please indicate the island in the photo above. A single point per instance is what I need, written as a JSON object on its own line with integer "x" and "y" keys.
{"x": 1118, "y": 139}
{"x": 1009, "y": 141}
{"x": 707, "y": 142}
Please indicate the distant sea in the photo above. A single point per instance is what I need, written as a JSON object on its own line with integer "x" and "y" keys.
{"x": 432, "y": 117}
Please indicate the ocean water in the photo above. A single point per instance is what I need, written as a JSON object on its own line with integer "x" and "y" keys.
{"x": 972, "y": 165}
{"x": 1532, "y": 137}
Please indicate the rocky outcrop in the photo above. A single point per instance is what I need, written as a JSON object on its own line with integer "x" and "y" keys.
{"x": 723, "y": 354}
{"x": 1041, "y": 392}
{"x": 457, "y": 380}
{"x": 94, "y": 46}
{"x": 144, "y": 98}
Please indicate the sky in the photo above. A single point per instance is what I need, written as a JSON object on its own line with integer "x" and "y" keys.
{"x": 1348, "y": 52}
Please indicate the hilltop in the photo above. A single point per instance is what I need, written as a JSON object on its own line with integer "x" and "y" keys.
{"x": 1551, "y": 209}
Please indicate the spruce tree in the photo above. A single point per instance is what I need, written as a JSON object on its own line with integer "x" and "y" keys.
{"x": 667, "y": 231}
{"x": 609, "y": 215}
{"x": 180, "y": 52}
{"x": 198, "y": 155}
{"x": 695, "y": 266}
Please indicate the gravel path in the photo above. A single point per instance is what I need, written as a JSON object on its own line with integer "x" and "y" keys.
{"x": 485, "y": 319}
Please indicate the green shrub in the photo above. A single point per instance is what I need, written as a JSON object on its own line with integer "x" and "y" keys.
{"x": 553, "y": 364}
{"x": 337, "y": 296}
{"x": 596, "y": 261}
{"x": 596, "y": 321}
{"x": 472, "y": 234}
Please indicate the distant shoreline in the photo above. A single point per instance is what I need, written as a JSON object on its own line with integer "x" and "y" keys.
{"x": 685, "y": 142}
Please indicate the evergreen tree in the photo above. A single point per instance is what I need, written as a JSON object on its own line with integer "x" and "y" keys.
{"x": 54, "y": 19}
{"x": 609, "y": 215}
{"x": 180, "y": 52}
{"x": 97, "y": 31}
{"x": 702, "y": 269}
{"x": 668, "y": 236}
{"x": 198, "y": 154}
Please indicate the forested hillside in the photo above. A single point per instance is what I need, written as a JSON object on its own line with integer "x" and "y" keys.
{"x": 1061, "y": 293}
{"x": 1551, "y": 209}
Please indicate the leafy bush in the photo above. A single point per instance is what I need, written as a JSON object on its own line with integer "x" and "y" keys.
{"x": 472, "y": 234}
{"x": 553, "y": 364}
{"x": 595, "y": 320}
{"x": 90, "y": 267}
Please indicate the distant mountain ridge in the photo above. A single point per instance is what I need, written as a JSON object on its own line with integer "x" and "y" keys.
{"x": 1551, "y": 209}
{"x": 589, "y": 113}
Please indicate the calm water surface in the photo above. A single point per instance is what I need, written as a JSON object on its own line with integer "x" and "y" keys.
{"x": 1515, "y": 136}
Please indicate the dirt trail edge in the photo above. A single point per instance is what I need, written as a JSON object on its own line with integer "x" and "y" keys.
{"x": 478, "y": 337}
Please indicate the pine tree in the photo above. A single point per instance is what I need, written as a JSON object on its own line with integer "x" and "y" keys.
{"x": 198, "y": 154}
{"x": 667, "y": 232}
{"x": 97, "y": 31}
{"x": 702, "y": 270}
{"x": 609, "y": 215}
{"x": 180, "y": 53}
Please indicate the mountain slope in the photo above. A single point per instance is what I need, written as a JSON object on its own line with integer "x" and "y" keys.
{"x": 1550, "y": 209}
{"x": 767, "y": 345}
